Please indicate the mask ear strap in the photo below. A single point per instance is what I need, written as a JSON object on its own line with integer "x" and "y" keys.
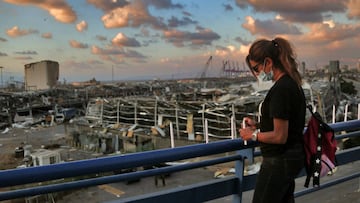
{"x": 264, "y": 65}
{"x": 265, "y": 61}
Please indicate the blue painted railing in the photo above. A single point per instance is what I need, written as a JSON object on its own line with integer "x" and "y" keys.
{"x": 199, "y": 192}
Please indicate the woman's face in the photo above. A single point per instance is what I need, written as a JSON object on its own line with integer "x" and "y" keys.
{"x": 256, "y": 67}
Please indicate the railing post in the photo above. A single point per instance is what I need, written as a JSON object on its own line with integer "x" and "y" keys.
{"x": 239, "y": 170}
{"x": 239, "y": 173}
{"x": 206, "y": 131}
{"x": 172, "y": 142}
{"x": 248, "y": 154}
{"x": 333, "y": 114}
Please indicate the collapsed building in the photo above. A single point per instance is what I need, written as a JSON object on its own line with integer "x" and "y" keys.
{"x": 137, "y": 123}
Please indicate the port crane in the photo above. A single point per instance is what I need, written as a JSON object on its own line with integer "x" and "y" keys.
{"x": 208, "y": 62}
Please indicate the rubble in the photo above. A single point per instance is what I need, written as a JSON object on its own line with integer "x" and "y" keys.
{"x": 122, "y": 117}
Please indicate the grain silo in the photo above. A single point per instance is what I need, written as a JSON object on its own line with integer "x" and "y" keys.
{"x": 41, "y": 75}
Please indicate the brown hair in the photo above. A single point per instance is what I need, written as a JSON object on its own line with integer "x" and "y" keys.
{"x": 280, "y": 51}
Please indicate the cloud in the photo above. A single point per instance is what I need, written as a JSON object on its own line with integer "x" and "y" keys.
{"x": 118, "y": 14}
{"x": 26, "y": 52}
{"x": 228, "y": 7}
{"x": 76, "y": 44}
{"x": 185, "y": 13}
{"x": 296, "y": 11}
{"x": 163, "y": 4}
{"x": 101, "y": 38}
{"x": 121, "y": 40}
{"x": 16, "y": 32}
{"x": 23, "y": 58}
{"x": 144, "y": 32}
{"x": 175, "y": 22}
{"x": 323, "y": 33}
{"x": 76, "y": 66}
{"x": 231, "y": 52}
{"x": 323, "y": 42}
{"x": 330, "y": 23}
{"x": 59, "y": 9}
{"x": 85, "y": 65}
{"x": 3, "y": 39}
{"x": 110, "y": 51}
{"x": 196, "y": 39}
{"x": 81, "y": 26}
{"x": 269, "y": 27}
{"x": 47, "y": 35}
{"x": 224, "y": 51}
{"x": 108, "y": 6}
{"x": 94, "y": 62}
{"x": 3, "y": 54}
{"x": 127, "y": 15}
{"x": 116, "y": 54}
{"x": 312, "y": 26}
{"x": 354, "y": 9}
{"x": 242, "y": 41}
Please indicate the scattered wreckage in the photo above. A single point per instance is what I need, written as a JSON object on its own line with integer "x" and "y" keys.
{"x": 138, "y": 116}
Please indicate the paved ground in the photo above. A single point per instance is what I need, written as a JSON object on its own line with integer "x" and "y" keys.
{"x": 348, "y": 192}
{"x": 35, "y": 136}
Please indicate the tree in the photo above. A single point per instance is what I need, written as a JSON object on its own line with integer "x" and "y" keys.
{"x": 347, "y": 87}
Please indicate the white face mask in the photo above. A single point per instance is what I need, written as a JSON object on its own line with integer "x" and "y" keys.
{"x": 265, "y": 77}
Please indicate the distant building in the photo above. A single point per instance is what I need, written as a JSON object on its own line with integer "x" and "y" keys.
{"x": 334, "y": 67}
{"x": 345, "y": 67}
{"x": 41, "y": 75}
{"x": 303, "y": 68}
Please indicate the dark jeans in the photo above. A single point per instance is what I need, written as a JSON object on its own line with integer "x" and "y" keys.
{"x": 275, "y": 182}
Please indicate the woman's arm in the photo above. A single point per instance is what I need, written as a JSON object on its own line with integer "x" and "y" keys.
{"x": 278, "y": 136}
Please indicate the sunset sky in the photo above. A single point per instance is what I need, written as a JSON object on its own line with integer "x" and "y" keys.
{"x": 147, "y": 39}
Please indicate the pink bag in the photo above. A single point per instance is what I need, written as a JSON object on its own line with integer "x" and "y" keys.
{"x": 320, "y": 147}
{"x": 327, "y": 166}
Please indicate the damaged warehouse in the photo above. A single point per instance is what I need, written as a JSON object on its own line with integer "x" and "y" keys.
{"x": 130, "y": 116}
{"x": 143, "y": 123}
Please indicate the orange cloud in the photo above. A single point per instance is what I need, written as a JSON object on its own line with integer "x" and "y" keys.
{"x": 133, "y": 15}
{"x": 122, "y": 40}
{"x": 323, "y": 33}
{"x": 324, "y": 42}
{"x": 250, "y": 24}
{"x": 76, "y": 44}
{"x": 116, "y": 54}
{"x": 270, "y": 27}
{"x": 59, "y": 9}
{"x": 81, "y": 26}
{"x": 122, "y": 13}
{"x": 16, "y": 32}
{"x": 112, "y": 55}
{"x": 47, "y": 35}
{"x": 354, "y": 9}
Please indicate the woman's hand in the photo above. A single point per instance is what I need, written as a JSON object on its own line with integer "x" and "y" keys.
{"x": 249, "y": 122}
{"x": 248, "y": 126}
{"x": 246, "y": 133}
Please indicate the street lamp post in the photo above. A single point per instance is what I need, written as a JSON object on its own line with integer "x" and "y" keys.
{"x": 2, "y": 84}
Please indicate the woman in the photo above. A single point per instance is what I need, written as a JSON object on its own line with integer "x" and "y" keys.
{"x": 282, "y": 119}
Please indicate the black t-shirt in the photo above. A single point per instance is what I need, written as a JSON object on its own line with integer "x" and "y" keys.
{"x": 285, "y": 100}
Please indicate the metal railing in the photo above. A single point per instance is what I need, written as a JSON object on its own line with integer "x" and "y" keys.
{"x": 53, "y": 178}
